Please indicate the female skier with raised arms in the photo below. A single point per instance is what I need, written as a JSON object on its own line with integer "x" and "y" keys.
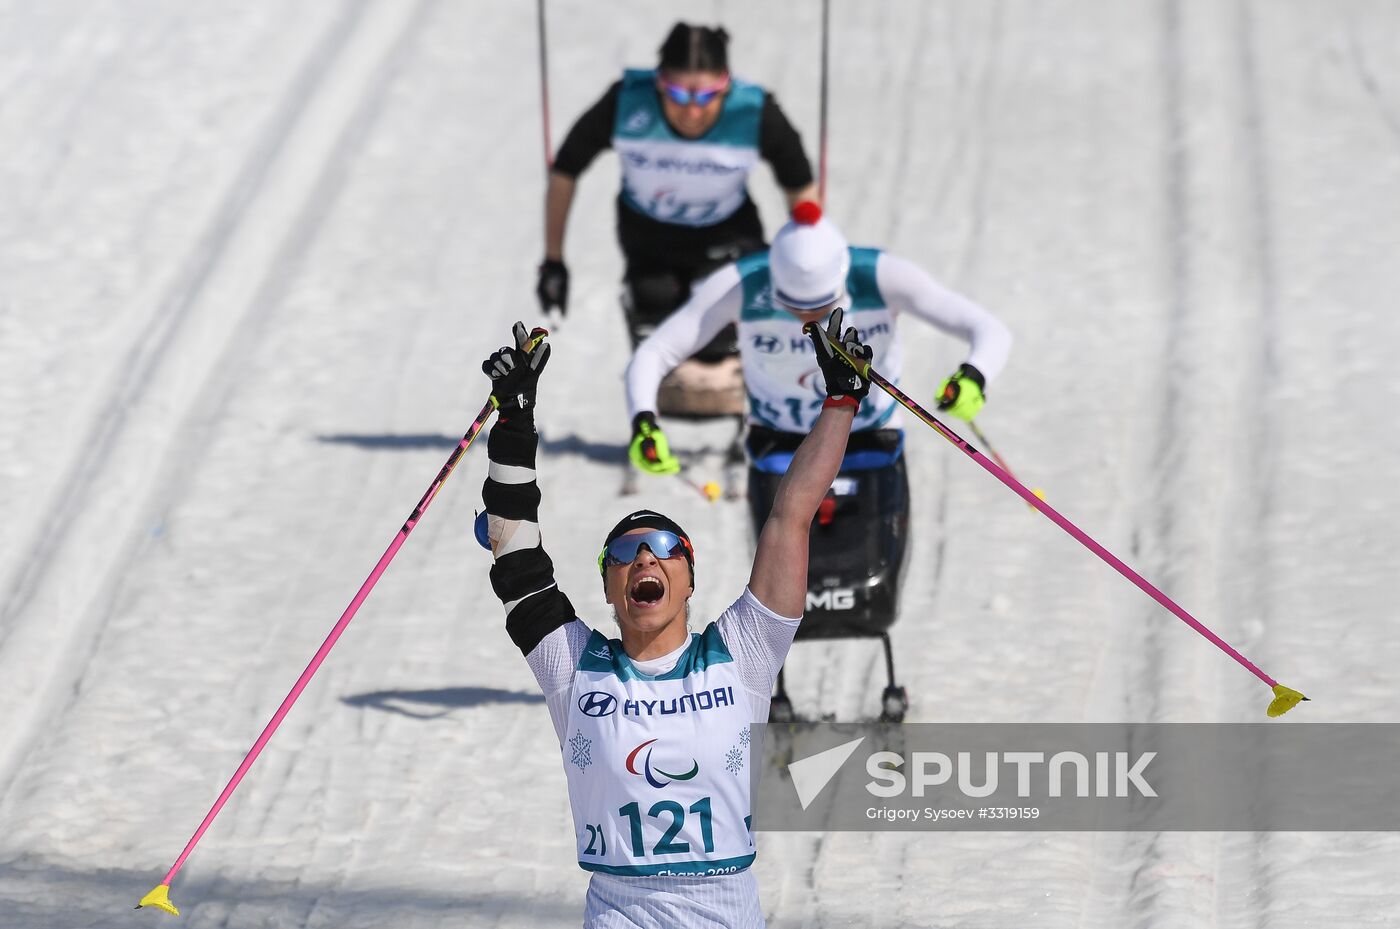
{"x": 654, "y": 725}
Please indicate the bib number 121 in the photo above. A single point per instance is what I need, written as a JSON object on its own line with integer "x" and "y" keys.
{"x": 669, "y": 809}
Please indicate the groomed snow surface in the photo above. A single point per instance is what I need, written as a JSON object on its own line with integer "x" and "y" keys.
{"x": 251, "y": 254}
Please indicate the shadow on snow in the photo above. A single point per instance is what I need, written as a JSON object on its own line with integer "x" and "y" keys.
{"x": 408, "y": 702}
{"x": 572, "y": 444}
{"x": 38, "y": 892}
{"x": 409, "y": 442}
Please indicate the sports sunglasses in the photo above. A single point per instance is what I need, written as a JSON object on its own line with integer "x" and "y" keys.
{"x": 684, "y": 96}
{"x": 662, "y": 544}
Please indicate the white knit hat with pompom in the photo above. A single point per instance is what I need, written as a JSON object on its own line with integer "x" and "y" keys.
{"x": 808, "y": 260}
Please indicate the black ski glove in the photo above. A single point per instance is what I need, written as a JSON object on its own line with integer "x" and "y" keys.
{"x": 515, "y": 372}
{"x": 842, "y": 380}
{"x": 552, "y": 288}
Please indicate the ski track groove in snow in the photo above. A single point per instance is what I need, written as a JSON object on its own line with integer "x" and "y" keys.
{"x": 1255, "y": 428}
{"x": 1389, "y": 114}
{"x": 905, "y": 128}
{"x": 28, "y": 597}
{"x": 145, "y": 355}
{"x": 393, "y": 33}
{"x": 1164, "y": 687}
{"x": 987, "y": 71}
{"x": 1158, "y": 643}
{"x": 186, "y": 302}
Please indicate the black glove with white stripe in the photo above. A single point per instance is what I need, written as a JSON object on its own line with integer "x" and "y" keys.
{"x": 515, "y": 372}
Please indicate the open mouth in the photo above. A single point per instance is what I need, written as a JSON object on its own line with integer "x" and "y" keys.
{"x": 647, "y": 591}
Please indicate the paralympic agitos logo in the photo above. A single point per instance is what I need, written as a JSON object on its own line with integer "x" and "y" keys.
{"x": 650, "y": 773}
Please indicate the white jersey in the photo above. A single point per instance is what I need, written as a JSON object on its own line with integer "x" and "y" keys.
{"x": 781, "y": 375}
{"x": 659, "y": 766}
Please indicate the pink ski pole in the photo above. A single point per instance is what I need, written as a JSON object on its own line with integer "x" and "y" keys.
{"x": 821, "y": 164}
{"x": 1285, "y": 698}
{"x": 544, "y": 85}
{"x": 160, "y": 896}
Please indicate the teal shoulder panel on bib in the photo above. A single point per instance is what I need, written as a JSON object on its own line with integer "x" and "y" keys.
{"x": 638, "y": 111}
{"x": 861, "y": 285}
{"x": 600, "y": 654}
{"x": 753, "y": 263}
{"x": 757, "y": 288}
{"x": 739, "y": 121}
{"x": 706, "y": 649}
{"x": 606, "y": 656}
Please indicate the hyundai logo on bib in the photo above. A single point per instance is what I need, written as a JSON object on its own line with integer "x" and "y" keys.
{"x": 768, "y": 344}
{"x": 596, "y": 703}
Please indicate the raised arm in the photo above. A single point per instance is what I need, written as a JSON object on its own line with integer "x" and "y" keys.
{"x": 779, "y": 578}
{"x": 523, "y": 575}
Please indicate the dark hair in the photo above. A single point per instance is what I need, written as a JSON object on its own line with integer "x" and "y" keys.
{"x": 695, "y": 48}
